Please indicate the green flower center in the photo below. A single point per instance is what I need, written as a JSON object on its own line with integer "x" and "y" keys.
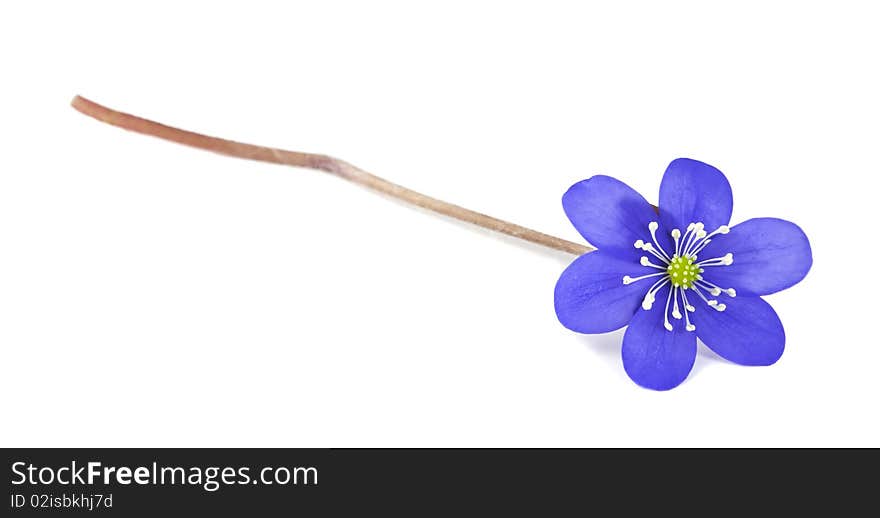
{"x": 683, "y": 272}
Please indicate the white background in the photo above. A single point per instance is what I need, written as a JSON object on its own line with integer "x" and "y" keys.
{"x": 154, "y": 295}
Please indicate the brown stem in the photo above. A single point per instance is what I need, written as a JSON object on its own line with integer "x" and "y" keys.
{"x": 321, "y": 162}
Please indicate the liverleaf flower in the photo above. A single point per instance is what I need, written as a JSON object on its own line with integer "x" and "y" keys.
{"x": 678, "y": 272}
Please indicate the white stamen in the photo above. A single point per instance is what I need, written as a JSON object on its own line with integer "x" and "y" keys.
{"x": 714, "y": 289}
{"x": 695, "y": 239}
{"x": 666, "y": 323}
{"x": 687, "y": 321}
{"x": 705, "y": 299}
{"x": 629, "y": 280}
{"x": 712, "y": 303}
{"x": 703, "y": 239}
{"x": 657, "y": 285}
{"x": 652, "y": 226}
{"x": 647, "y": 247}
{"x": 700, "y": 248}
{"x": 639, "y": 243}
{"x": 723, "y": 229}
{"x": 676, "y": 314}
{"x": 687, "y": 232}
{"x": 676, "y": 234}
{"x": 697, "y": 242}
{"x": 693, "y": 228}
{"x": 725, "y": 260}
{"x": 646, "y": 262}
{"x": 649, "y": 297}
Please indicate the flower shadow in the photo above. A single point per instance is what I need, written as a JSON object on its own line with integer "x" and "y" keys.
{"x": 705, "y": 357}
{"x": 606, "y": 347}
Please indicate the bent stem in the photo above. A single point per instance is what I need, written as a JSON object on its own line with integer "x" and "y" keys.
{"x": 324, "y": 163}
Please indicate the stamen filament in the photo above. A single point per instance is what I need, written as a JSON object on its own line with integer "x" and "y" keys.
{"x": 666, "y": 323}
{"x": 679, "y": 251}
{"x": 712, "y": 303}
{"x": 693, "y": 228}
{"x": 700, "y": 248}
{"x": 703, "y": 239}
{"x": 647, "y": 247}
{"x": 723, "y": 229}
{"x": 646, "y": 262}
{"x": 711, "y": 288}
{"x": 676, "y": 314}
{"x": 687, "y": 320}
{"x": 726, "y": 260}
{"x": 705, "y": 299}
{"x": 717, "y": 290}
{"x": 676, "y": 235}
{"x": 649, "y": 297}
{"x": 652, "y": 226}
{"x": 698, "y": 236}
{"x": 629, "y": 280}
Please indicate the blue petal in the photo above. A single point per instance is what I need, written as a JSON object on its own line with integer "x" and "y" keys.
{"x": 747, "y": 332}
{"x": 769, "y": 255}
{"x": 608, "y": 213}
{"x": 692, "y": 191}
{"x": 654, "y": 357}
{"x": 590, "y": 295}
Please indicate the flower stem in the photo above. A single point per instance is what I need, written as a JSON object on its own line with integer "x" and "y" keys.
{"x": 324, "y": 163}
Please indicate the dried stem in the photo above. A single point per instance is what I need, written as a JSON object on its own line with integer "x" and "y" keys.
{"x": 323, "y": 163}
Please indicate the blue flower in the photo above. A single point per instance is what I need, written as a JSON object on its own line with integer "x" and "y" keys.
{"x": 677, "y": 273}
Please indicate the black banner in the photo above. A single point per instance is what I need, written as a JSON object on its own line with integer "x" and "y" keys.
{"x": 147, "y": 482}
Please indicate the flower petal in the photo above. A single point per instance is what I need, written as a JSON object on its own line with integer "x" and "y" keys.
{"x": 654, "y": 357}
{"x": 692, "y": 191}
{"x": 590, "y": 296}
{"x": 769, "y": 255}
{"x": 747, "y": 332}
{"x": 608, "y": 213}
